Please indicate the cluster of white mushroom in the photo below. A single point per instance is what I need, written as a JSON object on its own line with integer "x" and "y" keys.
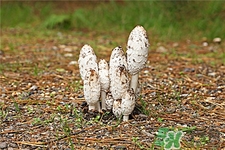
{"x": 112, "y": 82}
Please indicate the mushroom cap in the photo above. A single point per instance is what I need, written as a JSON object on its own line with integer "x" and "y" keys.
{"x": 87, "y": 60}
{"x": 117, "y": 111}
{"x": 128, "y": 102}
{"x": 119, "y": 82}
{"x": 109, "y": 101}
{"x": 137, "y": 50}
{"x": 91, "y": 87}
{"x": 104, "y": 74}
{"x": 117, "y": 58}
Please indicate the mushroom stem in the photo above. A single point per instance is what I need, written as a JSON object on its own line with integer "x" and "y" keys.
{"x": 125, "y": 117}
{"x": 97, "y": 106}
{"x": 134, "y": 82}
{"x": 91, "y": 107}
{"x": 103, "y": 97}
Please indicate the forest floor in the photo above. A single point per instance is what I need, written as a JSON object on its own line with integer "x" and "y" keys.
{"x": 42, "y": 104}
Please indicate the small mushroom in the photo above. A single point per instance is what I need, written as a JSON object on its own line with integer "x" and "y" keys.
{"x": 125, "y": 106}
{"x": 137, "y": 53}
{"x": 128, "y": 104}
{"x": 117, "y": 111}
{"x": 87, "y": 60}
{"x": 104, "y": 80}
{"x": 109, "y": 101}
{"x": 117, "y": 58}
{"x": 119, "y": 82}
{"x": 92, "y": 89}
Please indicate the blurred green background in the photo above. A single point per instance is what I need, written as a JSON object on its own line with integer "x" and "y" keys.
{"x": 168, "y": 20}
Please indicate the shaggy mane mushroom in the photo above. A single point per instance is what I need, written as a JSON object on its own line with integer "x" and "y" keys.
{"x": 137, "y": 53}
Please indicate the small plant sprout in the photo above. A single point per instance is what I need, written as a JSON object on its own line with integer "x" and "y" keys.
{"x": 137, "y": 53}
{"x": 104, "y": 80}
{"x": 92, "y": 89}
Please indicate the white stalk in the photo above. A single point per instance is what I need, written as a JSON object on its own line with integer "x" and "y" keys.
{"x": 91, "y": 107}
{"x": 134, "y": 82}
{"x": 97, "y": 106}
{"x": 103, "y": 97}
{"x": 125, "y": 117}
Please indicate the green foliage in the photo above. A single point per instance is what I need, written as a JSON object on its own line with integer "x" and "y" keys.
{"x": 3, "y": 112}
{"x": 36, "y": 70}
{"x": 14, "y": 14}
{"x": 170, "y": 20}
{"x": 144, "y": 108}
{"x": 36, "y": 121}
{"x": 58, "y": 21}
{"x": 78, "y": 117}
{"x": 137, "y": 142}
{"x": 16, "y": 105}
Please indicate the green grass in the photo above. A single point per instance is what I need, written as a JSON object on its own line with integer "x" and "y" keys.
{"x": 173, "y": 20}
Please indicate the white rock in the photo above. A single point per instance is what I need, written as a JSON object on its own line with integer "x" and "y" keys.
{"x": 213, "y": 74}
{"x": 161, "y": 49}
{"x": 175, "y": 44}
{"x": 217, "y": 40}
{"x": 205, "y": 44}
{"x": 62, "y": 46}
{"x": 68, "y": 49}
{"x": 54, "y": 48}
{"x": 73, "y": 63}
{"x": 68, "y": 55}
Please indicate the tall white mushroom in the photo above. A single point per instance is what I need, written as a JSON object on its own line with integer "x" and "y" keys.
{"x": 92, "y": 89}
{"x": 119, "y": 81}
{"x": 88, "y": 61}
{"x": 137, "y": 53}
{"x": 104, "y": 80}
{"x": 128, "y": 104}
